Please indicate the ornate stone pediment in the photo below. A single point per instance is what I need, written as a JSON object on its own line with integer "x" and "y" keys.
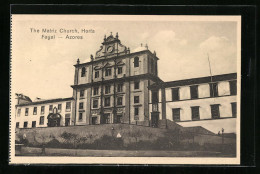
{"x": 111, "y": 47}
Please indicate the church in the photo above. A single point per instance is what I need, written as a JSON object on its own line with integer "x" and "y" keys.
{"x": 119, "y": 86}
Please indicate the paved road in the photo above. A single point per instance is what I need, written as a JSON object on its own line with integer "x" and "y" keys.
{"x": 29, "y": 151}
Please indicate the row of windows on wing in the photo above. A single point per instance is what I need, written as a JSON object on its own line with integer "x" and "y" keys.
{"x": 195, "y": 112}
{"x": 41, "y": 122}
{"x": 67, "y": 109}
{"x": 213, "y": 90}
{"x": 108, "y": 71}
{"x": 107, "y": 102}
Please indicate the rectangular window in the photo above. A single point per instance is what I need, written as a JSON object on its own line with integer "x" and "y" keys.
{"x": 33, "y": 123}
{"x": 108, "y": 72}
{"x": 68, "y": 106}
{"x": 215, "y": 111}
{"x": 119, "y": 87}
{"x": 80, "y": 116}
{"x": 50, "y": 108}
{"x": 81, "y": 104}
{"x": 233, "y": 87}
{"x": 82, "y": 93}
{"x": 34, "y": 110}
{"x": 154, "y": 97}
{"x": 96, "y": 91}
{"x": 119, "y": 101}
{"x": 107, "y": 89}
{"x": 234, "y": 109}
{"x": 17, "y": 124}
{"x": 136, "y": 85}
{"x": 19, "y": 112}
{"x": 25, "y": 124}
{"x": 213, "y": 89}
{"x": 42, "y": 109}
{"x": 107, "y": 101}
{"x": 195, "y": 113}
{"x": 176, "y": 114}
{"x": 95, "y": 103}
{"x": 136, "y": 99}
{"x": 94, "y": 120}
{"x": 96, "y": 74}
{"x": 26, "y": 111}
{"x": 136, "y": 111}
{"x": 107, "y": 118}
{"x": 59, "y": 107}
{"x": 136, "y": 62}
{"x": 119, "y": 70}
{"x": 175, "y": 94}
{"x": 194, "y": 91}
{"x": 41, "y": 120}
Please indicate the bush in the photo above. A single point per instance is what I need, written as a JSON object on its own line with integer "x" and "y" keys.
{"x": 54, "y": 143}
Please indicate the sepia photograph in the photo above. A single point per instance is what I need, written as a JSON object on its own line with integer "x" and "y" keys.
{"x": 125, "y": 89}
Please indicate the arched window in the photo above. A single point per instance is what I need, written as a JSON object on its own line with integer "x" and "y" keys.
{"x": 136, "y": 62}
{"x": 83, "y": 72}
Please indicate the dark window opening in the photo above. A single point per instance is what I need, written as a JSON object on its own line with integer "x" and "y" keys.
{"x": 215, "y": 111}
{"x": 120, "y": 70}
{"x": 59, "y": 107}
{"x": 176, "y": 114}
{"x": 94, "y": 120}
{"x": 107, "y": 118}
{"x": 95, "y": 103}
{"x": 81, "y": 105}
{"x": 154, "y": 97}
{"x": 195, "y": 112}
{"x": 81, "y": 93}
{"x": 107, "y": 89}
{"x": 119, "y": 87}
{"x": 107, "y": 101}
{"x": 33, "y": 123}
{"x": 17, "y": 124}
{"x": 136, "y": 99}
{"x": 68, "y": 106}
{"x": 108, "y": 72}
{"x": 96, "y": 91}
{"x": 34, "y": 110}
{"x": 50, "y": 108}
{"x": 119, "y": 101}
{"x": 213, "y": 89}
{"x": 234, "y": 109}
{"x": 175, "y": 94}
{"x": 233, "y": 87}
{"x": 25, "y": 124}
{"x": 42, "y": 109}
{"x": 136, "y": 111}
{"x": 80, "y": 116}
{"x": 194, "y": 92}
{"x": 136, "y": 85}
{"x": 96, "y": 74}
{"x": 83, "y": 72}
{"x": 136, "y": 62}
{"x": 26, "y": 111}
{"x": 41, "y": 120}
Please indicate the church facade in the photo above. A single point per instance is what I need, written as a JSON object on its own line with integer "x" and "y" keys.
{"x": 113, "y": 86}
{"x": 117, "y": 86}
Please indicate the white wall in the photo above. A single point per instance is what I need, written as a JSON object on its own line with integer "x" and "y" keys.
{"x": 30, "y": 118}
{"x": 205, "y": 109}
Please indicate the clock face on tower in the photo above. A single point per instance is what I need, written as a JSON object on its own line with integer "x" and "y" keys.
{"x": 110, "y": 49}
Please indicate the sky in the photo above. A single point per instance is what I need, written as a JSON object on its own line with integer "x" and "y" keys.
{"x": 44, "y": 68}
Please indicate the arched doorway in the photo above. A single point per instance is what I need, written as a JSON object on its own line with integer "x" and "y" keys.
{"x": 54, "y": 118}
